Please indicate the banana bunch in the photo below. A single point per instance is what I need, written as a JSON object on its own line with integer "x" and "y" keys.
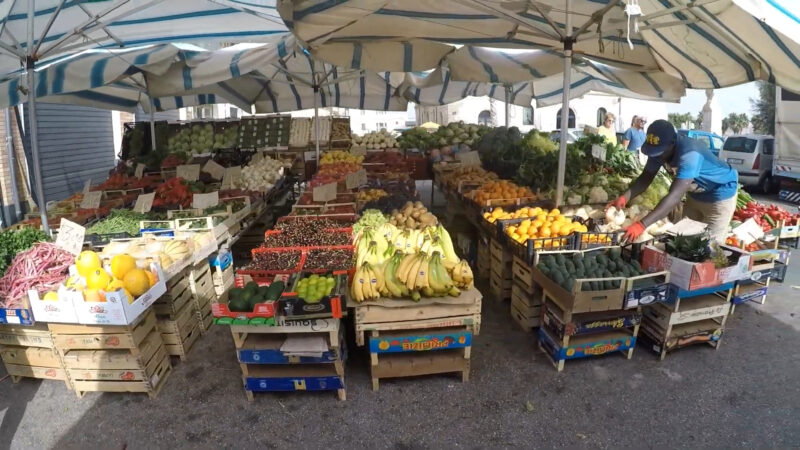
{"x": 371, "y": 247}
{"x": 367, "y": 283}
{"x": 462, "y": 275}
{"x": 393, "y": 286}
{"x": 425, "y": 275}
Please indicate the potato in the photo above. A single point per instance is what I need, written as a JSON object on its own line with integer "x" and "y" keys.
{"x": 415, "y": 215}
{"x": 418, "y": 204}
{"x": 399, "y": 218}
{"x": 409, "y": 208}
{"x": 411, "y": 223}
{"x": 428, "y": 219}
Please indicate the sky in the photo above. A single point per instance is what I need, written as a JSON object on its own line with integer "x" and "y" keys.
{"x": 733, "y": 99}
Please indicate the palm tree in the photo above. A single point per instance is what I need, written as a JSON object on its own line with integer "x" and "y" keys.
{"x": 679, "y": 120}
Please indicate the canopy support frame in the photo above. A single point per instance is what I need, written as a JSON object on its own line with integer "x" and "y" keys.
{"x": 562, "y": 152}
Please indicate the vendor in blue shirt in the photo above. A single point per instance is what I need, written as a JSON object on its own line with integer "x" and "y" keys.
{"x": 711, "y": 184}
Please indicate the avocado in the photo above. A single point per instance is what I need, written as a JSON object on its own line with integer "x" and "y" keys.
{"x": 577, "y": 258}
{"x": 558, "y": 277}
{"x": 637, "y": 266}
{"x": 570, "y": 266}
{"x": 560, "y": 259}
{"x": 239, "y": 305}
{"x": 546, "y": 260}
{"x": 612, "y": 266}
{"x": 615, "y": 252}
{"x": 274, "y": 291}
{"x": 602, "y": 260}
{"x": 246, "y": 296}
{"x": 263, "y": 290}
{"x": 607, "y": 285}
{"x": 235, "y": 293}
{"x": 251, "y": 286}
{"x": 568, "y": 283}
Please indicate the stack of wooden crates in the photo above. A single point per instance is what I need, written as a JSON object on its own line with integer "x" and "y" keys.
{"x": 29, "y": 352}
{"x": 178, "y": 319}
{"x": 500, "y": 276}
{"x": 119, "y": 358}
{"x": 202, "y": 286}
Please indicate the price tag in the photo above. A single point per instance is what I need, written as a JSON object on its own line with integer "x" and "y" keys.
{"x": 70, "y": 237}
{"x": 189, "y": 172}
{"x": 324, "y": 193}
{"x": 310, "y": 156}
{"x": 469, "y": 158}
{"x": 599, "y": 152}
{"x": 215, "y": 170}
{"x": 231, "y": 174}
{"x": 203, "y": 201}
{"x": 139, "y": 170}
{"x": 356, "y": 179}
{"x": 358, "y": 150}
{"x": 91, "y": 200}
{"x": 144, "y": 203}
{"x": 87, "y": 185}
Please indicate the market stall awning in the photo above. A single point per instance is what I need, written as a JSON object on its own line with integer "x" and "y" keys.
{"x": 64, "y": 27}
{"x": 708, "y": 44}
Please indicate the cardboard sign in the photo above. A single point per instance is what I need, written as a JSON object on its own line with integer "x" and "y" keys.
{"x": 189, "y": 172}
{"x": 215, "y": 170}
{"x": 599, "y": 152}
{"x": 139, "y": 171}
{"x": 203, "y": 201}
{"x": 324, "y": 193}
{"x": 91, "y": 200}
{"x": 231, "y": 173}
{"x": 748, "y": 232}
{"x": 70, "y": 237}
{"x": 144, "y": 203}
{"x": 356, "y": 179}
{"x": 469, "y": 158}
{"x": 87, "y": 186}
{"x": 358, "y": 150}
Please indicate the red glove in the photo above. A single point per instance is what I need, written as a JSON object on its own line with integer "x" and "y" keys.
{"x": 633, "y": 232}
{"x": 619, "y": 203}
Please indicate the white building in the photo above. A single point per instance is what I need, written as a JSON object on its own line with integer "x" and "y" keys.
{"x": 586, "y": 110}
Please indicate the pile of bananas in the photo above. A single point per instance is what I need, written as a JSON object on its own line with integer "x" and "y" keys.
{"x": 411, "y": 275}
{"x": 407, "y": 263}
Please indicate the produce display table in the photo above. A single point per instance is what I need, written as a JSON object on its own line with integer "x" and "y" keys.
{"x": 130, "y": 358}
{"x": 29, "y": 352}
{"x": 408, "y": 338}
{"x": 694, "y": 317}
{"x": 268, "y": 368}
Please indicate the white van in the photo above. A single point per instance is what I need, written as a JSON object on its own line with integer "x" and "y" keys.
{"x": 751, "y": 155}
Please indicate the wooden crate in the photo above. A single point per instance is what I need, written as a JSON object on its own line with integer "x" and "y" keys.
{"x": 395, "y": 314}
{"x": 403, "y": 353}
{"x": 565, "y": 335}
{"x": 202, "y": 285}
{"x": 33, "y": 362}
{"x": 499, "y": 252}
{"x": 26, "y": 336}
{"x": 526, "y": 306}
{"x": 522, "y": 273}
{"x": 500, "y": 288}
{"x": 180, "y": 334}
{"x": 692, "y": 320}
{"x": 266, "y": 369}
{"x": 754, "y": 289}
{"x": 143, "y": 368}
{"x": 102, "y": 337}
{"x": 223, "y": 279}
{"x": 171, "y": 303}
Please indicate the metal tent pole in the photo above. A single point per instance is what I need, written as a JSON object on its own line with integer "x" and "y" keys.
{"x": 562, "y": 153}
{"x": 12, "y": 167}
{"x": 316, "y": 122}
{"x": 152, "y": 125}
{"x": 34, "y": 136}
{"x": 508, "y": 92}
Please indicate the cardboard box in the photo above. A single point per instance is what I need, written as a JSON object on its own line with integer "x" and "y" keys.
{"x": 579, "y": 300}
{"x": 692, "y": 276}
{"x": 61, "y": 310}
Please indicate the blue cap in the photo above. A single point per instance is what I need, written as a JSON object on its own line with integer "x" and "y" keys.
{"x": 660, "y": 136}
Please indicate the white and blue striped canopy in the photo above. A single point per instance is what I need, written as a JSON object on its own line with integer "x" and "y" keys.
{"x": 705, "y": 44}
{"x": 64, "y": 27}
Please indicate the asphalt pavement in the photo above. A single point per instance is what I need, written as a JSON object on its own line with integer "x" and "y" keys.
{"x": 746, "y": 394}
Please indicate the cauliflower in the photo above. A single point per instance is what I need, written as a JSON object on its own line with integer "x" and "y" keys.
{"x": 574, "y": 199}
{"x": 598, "y": 195}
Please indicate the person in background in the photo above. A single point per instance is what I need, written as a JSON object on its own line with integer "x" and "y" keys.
{"x": 711, "y": 184}
{"x": 634, "y": 137}
{"x": 606, "y": 129}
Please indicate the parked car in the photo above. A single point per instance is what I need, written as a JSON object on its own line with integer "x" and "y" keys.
{"x": 751, "y": 155}
{"x": 573, "y": 134}
{"x": 712, "y": 141}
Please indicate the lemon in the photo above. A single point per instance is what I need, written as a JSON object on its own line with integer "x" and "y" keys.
{"x": 98, "y": 279}
{"x": 50, "y": 297}
{"x": 87, "y": 262}
{"x": 121, "y": 265}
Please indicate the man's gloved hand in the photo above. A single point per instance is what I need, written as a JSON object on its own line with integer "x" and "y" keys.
{"x": 619, "y": 203}
{"x": 633, "y": 232}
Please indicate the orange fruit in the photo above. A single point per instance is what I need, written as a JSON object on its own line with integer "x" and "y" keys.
{"x": 136, "y": 282}
{"x": 122, "y": 264}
